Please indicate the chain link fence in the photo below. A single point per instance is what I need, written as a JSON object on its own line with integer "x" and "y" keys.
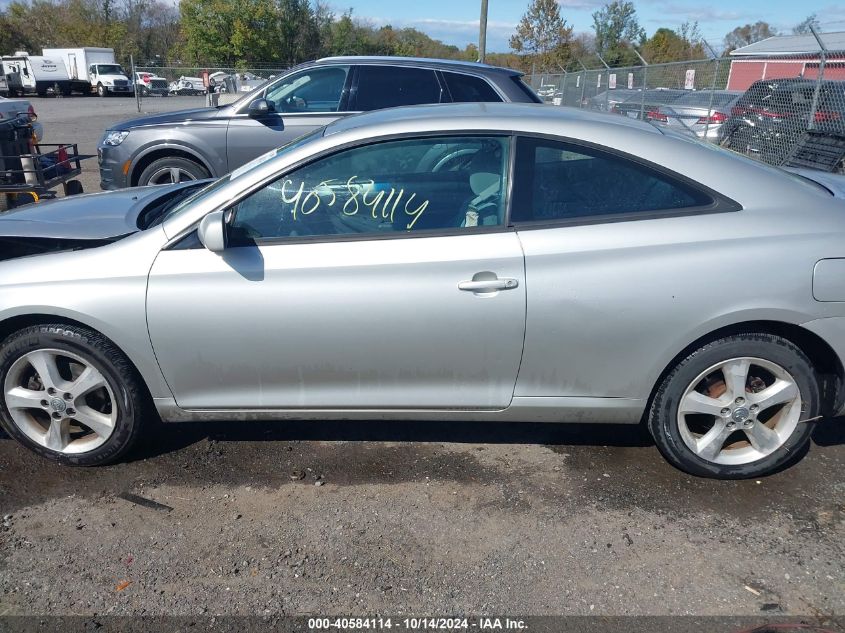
{"x": 178, "y": 80}
{"x": 782, "y": 109}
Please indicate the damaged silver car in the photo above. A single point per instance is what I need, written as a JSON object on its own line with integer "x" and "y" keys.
{"x": 494, "y": 262}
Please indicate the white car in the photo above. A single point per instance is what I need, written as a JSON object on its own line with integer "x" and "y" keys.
{"x": 150, "y": 83}
{"x": 12, "y": 108}
{"x": 187, "y": 86}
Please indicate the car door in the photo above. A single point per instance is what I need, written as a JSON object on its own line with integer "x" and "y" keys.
{"x": 301, "y": 102}
{"x": 381, "y": 276}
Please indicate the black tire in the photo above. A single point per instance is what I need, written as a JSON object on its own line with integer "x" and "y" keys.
{"x": 73, "y": 188}
{"x": 145, "y": 92}
{"x": 101, "y": 91}
{"x": 108, "y": 360}
{"x": 195, "y": 170}
{"x": 663, "y": 414}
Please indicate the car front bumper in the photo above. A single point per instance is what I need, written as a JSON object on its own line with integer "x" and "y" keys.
{"x": 113, "y": 166}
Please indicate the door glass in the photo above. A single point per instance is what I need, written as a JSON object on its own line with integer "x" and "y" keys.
{"x": 312, "y": 90}
{"x": 396, "y": 186}
{"x": 559, "y": 181}
{"x": 392, "y": 86}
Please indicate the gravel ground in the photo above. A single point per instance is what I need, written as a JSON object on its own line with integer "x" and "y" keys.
{"x": 424, "y": 518}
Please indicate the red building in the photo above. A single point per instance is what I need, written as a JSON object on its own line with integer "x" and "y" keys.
{"x": 787, "y": 56}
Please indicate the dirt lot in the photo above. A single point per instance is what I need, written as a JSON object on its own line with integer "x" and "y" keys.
{"x": 424, "y": 518}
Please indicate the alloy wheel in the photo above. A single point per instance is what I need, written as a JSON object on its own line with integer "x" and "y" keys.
{"x": 170, "y": 175}
{"x": 739, "y": 411}
{"x": 60, "y": 401}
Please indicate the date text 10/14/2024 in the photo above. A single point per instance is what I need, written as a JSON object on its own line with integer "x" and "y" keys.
{"x": 416, "y": 624}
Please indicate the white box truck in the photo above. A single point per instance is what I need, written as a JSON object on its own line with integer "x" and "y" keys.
{"x": 34, "y": 74}
{"x": 93, "y": 70}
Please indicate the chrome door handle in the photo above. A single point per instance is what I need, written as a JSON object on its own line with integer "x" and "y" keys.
{"x": 488, "y": 284}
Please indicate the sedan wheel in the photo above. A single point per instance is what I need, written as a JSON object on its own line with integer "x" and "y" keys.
{"x": 739, "y": 411}
{"x": 60, "y": 401}
{"x": 69, "y": 394}
{"x": 738, "y": 407}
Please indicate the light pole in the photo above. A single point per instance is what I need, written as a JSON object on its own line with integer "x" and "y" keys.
{"x": 482, "y": 32}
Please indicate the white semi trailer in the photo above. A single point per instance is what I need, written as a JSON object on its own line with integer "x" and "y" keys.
{"x": 93, "y": 70}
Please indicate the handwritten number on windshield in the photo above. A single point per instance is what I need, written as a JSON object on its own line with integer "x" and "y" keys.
{"x": 362, "y": 196}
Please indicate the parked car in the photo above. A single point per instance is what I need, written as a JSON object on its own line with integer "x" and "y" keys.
{"x": 546, "y": 92}
{"x": 151, "y": 84}
{"x": 204, "y": 142}
{"x": 187, "y": 86}
{"x": 561, "y": 266}
{"x": 772, "y": 115}
{"x": 650, "y": 102}
{"x": 605, "y": 101}
{"x": 13, "y": 108}
{"x": 701, "y": 113}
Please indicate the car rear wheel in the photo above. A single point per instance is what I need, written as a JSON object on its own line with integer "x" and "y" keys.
{"x": 739, "y": 407}
{"x": 172, "y": 170}
{"x": 69, "y": 394}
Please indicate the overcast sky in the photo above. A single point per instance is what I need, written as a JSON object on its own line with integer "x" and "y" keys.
{"x": 456, "y": 21}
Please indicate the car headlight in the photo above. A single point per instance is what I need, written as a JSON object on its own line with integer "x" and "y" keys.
{"x": 114, "y": 137}
{"x": 108, "y": 82}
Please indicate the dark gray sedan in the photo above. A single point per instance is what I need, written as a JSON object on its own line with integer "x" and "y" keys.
{"x": 206, "y": 142}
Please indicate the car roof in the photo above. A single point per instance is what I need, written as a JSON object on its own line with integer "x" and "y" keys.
{"x": 441, "y": 64}
{"x": 527, "y": 117}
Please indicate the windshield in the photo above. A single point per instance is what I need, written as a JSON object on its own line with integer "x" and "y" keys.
{"x": 240, "y": 171}
{"x": 110, "y": 69}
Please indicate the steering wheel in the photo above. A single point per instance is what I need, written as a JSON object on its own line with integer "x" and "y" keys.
{"x": 297, "y": 103}
{"x": 465, "y": 154}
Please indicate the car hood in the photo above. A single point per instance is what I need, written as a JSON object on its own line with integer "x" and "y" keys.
{"x": 94, "y": 216}
{"x": 179, "y": 116}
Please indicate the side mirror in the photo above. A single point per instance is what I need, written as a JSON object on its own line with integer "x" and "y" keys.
{"x": 212, "y": 231}
{"x": 260, "y": 108}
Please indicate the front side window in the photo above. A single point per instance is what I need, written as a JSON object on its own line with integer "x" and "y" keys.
{"x": 392, "y": 86}
{"x": 466, "y": 88}
{"x": 317, "y": 89}
{"x": 397, "y": 187}
{"x": 561, "y": 181}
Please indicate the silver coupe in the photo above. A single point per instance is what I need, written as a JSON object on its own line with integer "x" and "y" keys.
{"x": 451, "y": 262}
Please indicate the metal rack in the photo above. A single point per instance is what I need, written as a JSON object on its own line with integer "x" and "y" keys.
{"x": 29, "y": 171}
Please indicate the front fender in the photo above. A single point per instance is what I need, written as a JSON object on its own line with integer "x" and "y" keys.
{"x": 102, "y": 288}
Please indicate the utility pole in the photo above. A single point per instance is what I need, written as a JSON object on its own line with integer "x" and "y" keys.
{"x": 482, "y": 32}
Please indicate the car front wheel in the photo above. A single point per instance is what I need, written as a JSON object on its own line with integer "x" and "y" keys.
{"x": 69, "y": 394}
{"x": 739, "y": 407}
{"x": 171, "y": 170}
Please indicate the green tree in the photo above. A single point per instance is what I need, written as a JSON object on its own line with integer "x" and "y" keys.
{"x": 748, "y": 34}
{"x": 617, "y": 29}
{"x": 543, "y": 34}
{"x": 667, "y": 45}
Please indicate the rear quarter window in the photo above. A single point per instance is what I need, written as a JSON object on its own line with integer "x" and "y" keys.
{"x": 526, "y": 89}
{"x": 466, "y": 88}
{"x": 557, "y": 181}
